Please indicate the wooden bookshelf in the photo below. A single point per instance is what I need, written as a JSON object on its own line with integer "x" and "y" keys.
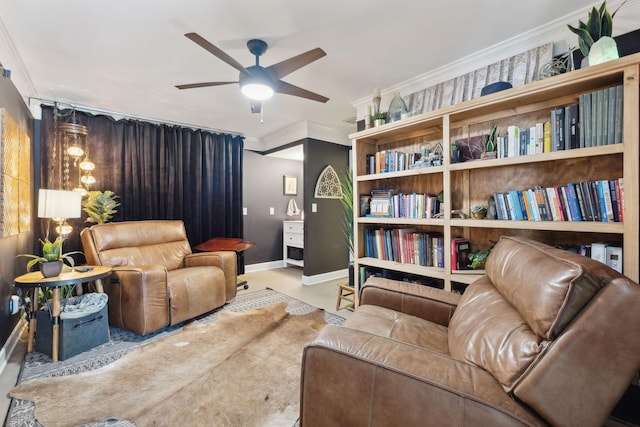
{"x": 472, "y": 182}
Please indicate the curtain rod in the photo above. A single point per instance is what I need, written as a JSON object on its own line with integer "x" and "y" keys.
{"x": 118, "y": 116}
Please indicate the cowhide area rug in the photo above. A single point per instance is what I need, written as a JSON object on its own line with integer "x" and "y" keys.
{"x": 238, "y": 369}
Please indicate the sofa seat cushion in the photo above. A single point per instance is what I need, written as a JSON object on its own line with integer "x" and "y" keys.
{"x": 194, "y": 291}
{"x": 402, "y": 327}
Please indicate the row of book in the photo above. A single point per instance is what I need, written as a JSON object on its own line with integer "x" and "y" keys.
{"x": 597, "y": 119}
{"x": 388, "y": 203}
{"x": 391, "y": 161}
{"x": 404, "y": 245}
{"x": 600, "y": 201}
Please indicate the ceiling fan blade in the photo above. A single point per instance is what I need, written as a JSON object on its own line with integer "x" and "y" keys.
{"x": 289, "y": 89}
{"x": 206, "y": 84}
{"x": 256, "y": 106}
{"x": 215, "y": 51}
{"x": 288, "y": 66}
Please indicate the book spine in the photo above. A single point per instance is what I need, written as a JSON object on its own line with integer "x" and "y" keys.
{"x": 618, "y": 115}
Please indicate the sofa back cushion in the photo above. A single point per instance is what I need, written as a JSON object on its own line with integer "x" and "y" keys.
{"x": 159, "y": 242}
{"x": 531, "y": 293}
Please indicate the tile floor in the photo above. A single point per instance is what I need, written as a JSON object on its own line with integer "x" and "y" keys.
{"x": 284, "y": 280}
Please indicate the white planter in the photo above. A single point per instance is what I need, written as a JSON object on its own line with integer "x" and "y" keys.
{"x": 605, "y": 49}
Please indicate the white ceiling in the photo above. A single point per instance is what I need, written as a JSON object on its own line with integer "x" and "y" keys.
{"x": 125, "y": 56}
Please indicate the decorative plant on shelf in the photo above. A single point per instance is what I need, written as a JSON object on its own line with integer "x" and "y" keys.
{"x": 479, "y": 211}
{"x": 379, "y": 118}
{"x": 598, "y": 26}
{"x": 100, "y": 206}
{"x": 478, "y": 258}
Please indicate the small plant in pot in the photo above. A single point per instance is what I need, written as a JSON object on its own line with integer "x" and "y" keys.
{"x": 52, "y": 259}
{"x": 479, "y": 211}
{"x": 595, "y": 35}
{"x": 379, "y": 118}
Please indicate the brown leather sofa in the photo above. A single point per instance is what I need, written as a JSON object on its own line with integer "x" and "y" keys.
{"x": 547, "y": 337}
{"x": 157, "y": 281}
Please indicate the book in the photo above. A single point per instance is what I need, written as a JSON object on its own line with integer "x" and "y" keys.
{"x": 559, "y": 129}
{"x": 599, "y": 251}
{"x": 613, "y": 257}
{"x": 573, "y": 126}
{"x": 513, "y": 140}
{"x": 546, "y": 147}
{"x": 572, "y": 199}
{"x": 460, "y": 248}
{"x": 618, "y": 124}
{"x": 581, "y": 101}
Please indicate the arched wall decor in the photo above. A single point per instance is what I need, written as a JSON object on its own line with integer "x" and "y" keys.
{"x": 328, "y": 185}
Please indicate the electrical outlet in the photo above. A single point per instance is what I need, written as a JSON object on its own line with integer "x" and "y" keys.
{"x": 244, "y": 211}
{"x": 272, "y": 211}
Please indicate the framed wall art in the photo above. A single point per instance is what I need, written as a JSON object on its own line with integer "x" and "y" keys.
{"x": 290, "y": 185}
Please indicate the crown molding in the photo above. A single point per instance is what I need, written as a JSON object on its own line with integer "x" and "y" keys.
{"x": 555, "y": 32}
{"x": 11, "y": 60}
{"x": 303, "y": 130}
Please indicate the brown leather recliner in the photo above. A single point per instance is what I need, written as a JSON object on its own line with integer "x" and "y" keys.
{"x": 157, "y": 281}
{"x": 547, "y": 337}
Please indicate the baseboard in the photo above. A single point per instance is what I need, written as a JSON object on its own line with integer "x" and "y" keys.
{"x": 325, "y": 277}
{"x": 263, "y": 266}
{"x": 10, "y": 345}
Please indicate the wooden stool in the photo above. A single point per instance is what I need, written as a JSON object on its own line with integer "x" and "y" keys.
{"x": 346, "y": 293}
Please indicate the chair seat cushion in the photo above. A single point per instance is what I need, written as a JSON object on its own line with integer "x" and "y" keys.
{"x": 399, "y": 326}
{"x": 194, "y": 291}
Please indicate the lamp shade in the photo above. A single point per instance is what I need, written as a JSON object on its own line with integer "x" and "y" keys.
{"x": 59, "y": 204}
{"x": 257, "y": 85}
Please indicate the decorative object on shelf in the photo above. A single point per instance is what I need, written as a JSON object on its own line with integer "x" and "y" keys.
{"x": 328, "y": 185}
{"x": 456, "y": 154}
{"x": 558, "y": 65}
{"x": 478, "y": 258}
{"x": 491, "y": 208}
{"x": 397, "y": 109}
{"x": 594, "y": 36}
{"x": 290, "y": 185}
{"x": 490, "y": 146}
{"x": 376, "y": 100}
{"x": 479, "y": 211}
{"x": 379, "y": 118}
{"x": 495, "y": 87}
{"x": 100, "y": 206}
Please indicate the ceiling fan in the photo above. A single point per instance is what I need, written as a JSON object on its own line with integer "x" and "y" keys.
{"x": 256, "y": 82}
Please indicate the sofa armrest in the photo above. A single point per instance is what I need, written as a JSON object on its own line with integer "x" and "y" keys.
{"x": 432, "y": 304}
{"x": 138, "y": 297}
{"x": 226, "y": 260}
{"x": 395, "y": 383}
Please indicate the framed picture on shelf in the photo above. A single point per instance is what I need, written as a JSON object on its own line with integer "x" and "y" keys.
{"x": 290, "y": 184}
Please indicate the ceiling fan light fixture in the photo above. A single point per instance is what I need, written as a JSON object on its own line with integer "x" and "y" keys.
{"x": 257, "y": 91}
{"x": 257, "y": 85}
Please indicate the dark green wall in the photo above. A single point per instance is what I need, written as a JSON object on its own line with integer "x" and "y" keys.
{"x": 325, "y": 248}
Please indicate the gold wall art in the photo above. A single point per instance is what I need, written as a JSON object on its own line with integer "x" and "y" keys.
{"x": 15, "y": 180}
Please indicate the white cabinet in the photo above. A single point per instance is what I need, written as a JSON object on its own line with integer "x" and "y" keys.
{"x": 293, "y": 242}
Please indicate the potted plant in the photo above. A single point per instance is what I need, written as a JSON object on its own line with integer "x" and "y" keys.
{"x": 52, "y": 259}
{"x": 346, "y": 184}
{"x": 379, "y": 118}
{"x": 595, "y": 35}
{"x": 479, "y": 211}
{"x": 100, "y": 206}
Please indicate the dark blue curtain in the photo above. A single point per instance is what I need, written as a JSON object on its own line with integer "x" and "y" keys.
{"x": 159, "y": 171}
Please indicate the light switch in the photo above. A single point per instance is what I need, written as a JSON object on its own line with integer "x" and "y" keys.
{"x": 272, "y": 211}
{"x": 244, "y": 211}
{"x": 314, "y": 207}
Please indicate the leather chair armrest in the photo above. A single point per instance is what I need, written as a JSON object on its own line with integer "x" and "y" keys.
{"x": 138, "y": 298}
{"x": 226, "y": 260}
{"x": 395, "y": 383}
{"x": 432, "y": 304}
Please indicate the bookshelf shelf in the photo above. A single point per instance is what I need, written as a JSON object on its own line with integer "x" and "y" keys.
{"x": 473, "y": 182}
{"x": 436, "y": 273}
{"x": 574, "y": 226}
